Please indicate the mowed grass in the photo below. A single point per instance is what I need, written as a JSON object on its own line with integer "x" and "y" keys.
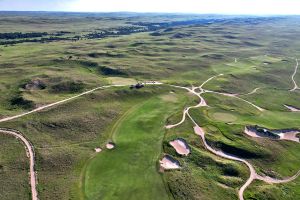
{"x": 130, "y": 170}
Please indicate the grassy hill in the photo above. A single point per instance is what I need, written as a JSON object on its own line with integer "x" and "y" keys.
{"x": 185, "y": 50}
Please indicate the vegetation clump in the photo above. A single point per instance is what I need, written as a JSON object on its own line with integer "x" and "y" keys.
{"x": 68, "y": 86}
{"x": 21, "y": 102}
{"x": 36, "y": 84}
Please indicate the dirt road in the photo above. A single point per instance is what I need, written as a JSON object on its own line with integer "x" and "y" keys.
{"x": 293, "y": 77}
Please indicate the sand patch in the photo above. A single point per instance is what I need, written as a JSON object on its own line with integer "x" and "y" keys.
{"x": 292, "y": 108}
{"x": 181, "y": 146}
{"x": 169, "y": 163}
{"x": 98, "y": 150}
{"x": 110, "y": 145}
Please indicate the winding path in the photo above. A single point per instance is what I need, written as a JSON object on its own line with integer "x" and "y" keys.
{"x": 30, "y": 154}
{"x": 293, "y": 77}
{"x": 199, "y": 131}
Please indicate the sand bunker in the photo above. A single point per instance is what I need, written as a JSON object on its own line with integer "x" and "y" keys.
{"x": 98, "y": 150}
{"x": 292, "y": 108}
{"x": 285, "y": 134}
{"x": 110, "y": 145}
{"x": 169, "y": 163}
{"x": 181, "y": 146}
{"x": 250, "y": 132}
{"x": 289, "y": 134}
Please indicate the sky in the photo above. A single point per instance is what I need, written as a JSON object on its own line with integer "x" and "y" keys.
{"x": 254, "y": 7}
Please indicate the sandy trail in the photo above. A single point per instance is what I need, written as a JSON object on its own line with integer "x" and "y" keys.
{"x": 186, "y": 110}
{"x": 293, "y": 77}
{"x": 199, "y": 131}
{"x": 30, "y": 154}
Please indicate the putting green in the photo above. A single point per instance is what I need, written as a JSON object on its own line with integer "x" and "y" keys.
{"x": 224, "y": 117}
{"x": 121, "y": 81}
{"x": 130, "y": 170}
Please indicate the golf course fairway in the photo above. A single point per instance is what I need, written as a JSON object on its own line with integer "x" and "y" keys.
{"x": 130, "y": 170}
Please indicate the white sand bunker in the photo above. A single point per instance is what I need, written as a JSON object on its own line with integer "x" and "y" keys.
{"x": 289, "y": 135}
{"x": 98, "y": 150}
{"x": 251, "y": 132}
{"x": 110, "y": 145}
{"x": 292, "y": 108}
{"x": 169, "y": 163}
{"x": 284, "y": 134}
{"x": 181, "y": 146}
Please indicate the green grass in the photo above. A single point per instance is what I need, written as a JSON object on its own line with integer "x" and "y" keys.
{"x": 130, "y": 170}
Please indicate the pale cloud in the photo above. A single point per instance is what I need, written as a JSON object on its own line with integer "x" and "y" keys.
{"x": 194, "y": 6}
{"x": 183, "y": 6}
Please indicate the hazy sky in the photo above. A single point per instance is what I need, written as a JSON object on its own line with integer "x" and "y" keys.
{"x": 184, "y": 6}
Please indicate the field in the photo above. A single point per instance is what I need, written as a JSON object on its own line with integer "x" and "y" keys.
{"x": 255, "y": 55}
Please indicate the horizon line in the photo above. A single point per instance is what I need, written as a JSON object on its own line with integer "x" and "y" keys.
{"x": 152, "y": 12}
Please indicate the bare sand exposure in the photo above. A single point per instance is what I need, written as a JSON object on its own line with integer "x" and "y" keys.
{"x": 181, "y": 146}
{"x": 98, "y": 150}
{"x": 169, "y": 163}
{"x": 290, "y": 135}
{"x": 292, "y": 108}
{"x": 110, "y": 145}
